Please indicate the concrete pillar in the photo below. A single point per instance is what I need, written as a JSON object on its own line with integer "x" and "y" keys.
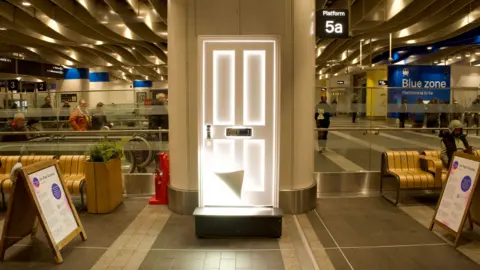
{"x": 293, "y": 21}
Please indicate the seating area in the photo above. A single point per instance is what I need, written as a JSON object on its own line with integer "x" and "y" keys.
{"x": 72, "y": 168}
{"x": 412, "y": 171}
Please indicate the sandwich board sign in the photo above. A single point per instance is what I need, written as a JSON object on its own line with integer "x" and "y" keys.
{"x": 453, "y": 207}
{"x": 39, "y": 196}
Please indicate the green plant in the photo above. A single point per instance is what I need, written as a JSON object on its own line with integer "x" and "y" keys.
{"x": 105, "y": 151}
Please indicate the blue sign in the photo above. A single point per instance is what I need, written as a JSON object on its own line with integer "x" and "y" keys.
{"x": 466, "y": 183}
{"x": 56, "y": 191}
{"x": 36, "y": 183}
{"x": 417, "y": 82}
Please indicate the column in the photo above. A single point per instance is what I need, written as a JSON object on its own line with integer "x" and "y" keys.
{"x": 181, "y": 131}
{"x": 291, "y": 20}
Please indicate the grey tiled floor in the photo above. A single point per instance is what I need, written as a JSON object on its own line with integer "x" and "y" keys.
{"x": 224, "y": 260}
{"x": 177, "y": 247}
{"x": 370, "y": 233}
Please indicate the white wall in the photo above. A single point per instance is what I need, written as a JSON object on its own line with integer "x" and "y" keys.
{"x": 465, "y": 82}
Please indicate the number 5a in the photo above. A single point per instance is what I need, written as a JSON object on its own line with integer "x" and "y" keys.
{"x": 336, "y": 28}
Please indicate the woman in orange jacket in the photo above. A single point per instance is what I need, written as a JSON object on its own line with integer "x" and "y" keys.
{"x": 80, "y": 117}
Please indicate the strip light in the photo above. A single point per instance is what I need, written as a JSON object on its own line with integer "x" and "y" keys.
{"x": 251, "y": 115}
{"x": 217, "y": 104}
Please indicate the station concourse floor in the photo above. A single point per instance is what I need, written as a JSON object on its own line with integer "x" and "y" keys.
{"x": 341, "y": 233}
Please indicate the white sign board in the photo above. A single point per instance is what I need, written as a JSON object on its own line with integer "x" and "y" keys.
{"x": 53, "y": 203}
{"x": 457, "y": 192}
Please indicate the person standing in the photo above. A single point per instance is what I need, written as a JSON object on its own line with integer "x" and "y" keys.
{"x": 80, "y": 117}
{"x": 322, "y": 119}
{"x": 403, "y": 113}
{"x": 354, "y": 109}
{"x": 99, "y": 119}
{"x": 47, "y": 113}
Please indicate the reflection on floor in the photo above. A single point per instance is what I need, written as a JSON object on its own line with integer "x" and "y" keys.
{"x": 360, "y": 150}
{"x": 341, "y": 233}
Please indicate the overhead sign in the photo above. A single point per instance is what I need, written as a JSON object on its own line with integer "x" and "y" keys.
{"x": 53, "y": 71}
{"x": 13, "y": 85}
{"x": 332, "y": 23}
{"x": 39, "y": 194}
{"x": 7, "y": 65}
{"x": 30, "y": 68}
{"x": 68, "y": 97}
{"x": 455, "y": 200}
{"x": 383, "y": 83}
{"x": 41, "y": 86}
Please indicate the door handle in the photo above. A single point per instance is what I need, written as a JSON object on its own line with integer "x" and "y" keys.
{"x": 209, "y": 132}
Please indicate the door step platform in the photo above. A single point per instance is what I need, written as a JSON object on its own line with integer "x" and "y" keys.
{"x": 227, "y": 222}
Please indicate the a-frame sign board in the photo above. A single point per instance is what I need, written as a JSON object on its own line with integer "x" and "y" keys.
{"x": 453, "y": 207}
{"x": 39, "y": 196}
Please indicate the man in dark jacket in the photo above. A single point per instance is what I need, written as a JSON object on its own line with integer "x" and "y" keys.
{"x": 17, "y": 125}
{"x": 99, "y": 119}
{"x": 453, "y": 141}
{"x": 322, "y": 119}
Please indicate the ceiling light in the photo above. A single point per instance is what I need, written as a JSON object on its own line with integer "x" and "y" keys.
{"x": 3, "y": 29}
{"x": 133, "y": 48}
{"x": 459, "y": 57}
{"x": 467, "y": 55}
{"x": 477, "y": 53}
{"x": 435, "y": 62}
{"x": 429, "y": 47}
{"x": 111, "y": 11}
{"x": 104, "y": 22}
{"x": 411, "y": 41}
{"x": 140, "y": 17}
{"x": 121, "y": 25}
{"x": 26, "y": 4}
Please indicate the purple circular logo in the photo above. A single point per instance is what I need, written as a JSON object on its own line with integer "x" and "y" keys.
{"x": 455, "y": 165}
{"x": 466, "y": 183}
{"x": 36, "y": 183}
{"x": 57, "y": 193}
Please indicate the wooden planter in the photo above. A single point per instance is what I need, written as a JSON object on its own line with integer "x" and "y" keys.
{"x": 104, "y": 186}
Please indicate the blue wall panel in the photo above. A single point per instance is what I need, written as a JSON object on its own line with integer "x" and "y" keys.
{"x": 99, "y": 77}
{"x": 142, "y": 84}
{"x": 76, "y": 73}
{"x": 414, "y": 82}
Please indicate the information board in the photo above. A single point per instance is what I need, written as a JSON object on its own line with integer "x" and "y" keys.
{"x": 39, "y": 196}
{"x": 7, "y": 65}
{"x": 53, "y": 203}
{"x": 454, "y": 203}
{"x": 68, "y": 97}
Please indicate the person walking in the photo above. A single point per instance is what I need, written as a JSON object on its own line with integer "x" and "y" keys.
{"x": 403, "y": 113}
{"x": 419, "y": 114}
{"x": 80, "y": 117}
{"x": 322, "y": 118}
{"x": 354, "y": 109}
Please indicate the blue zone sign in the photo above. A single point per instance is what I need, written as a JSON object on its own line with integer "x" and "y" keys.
{"x": 414, "y": 82}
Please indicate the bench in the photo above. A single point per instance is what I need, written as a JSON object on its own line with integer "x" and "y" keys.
{"x": 435, "y": 154}
{"x": 405, "y": 168}
{"x": 73, "y": 170}
{"x": 6, "y": 183}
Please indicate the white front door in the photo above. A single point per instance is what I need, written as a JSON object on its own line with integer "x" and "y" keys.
{"x": 238, "y": 126}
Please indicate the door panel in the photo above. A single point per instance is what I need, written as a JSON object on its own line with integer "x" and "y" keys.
{"x": 238, "y": 92}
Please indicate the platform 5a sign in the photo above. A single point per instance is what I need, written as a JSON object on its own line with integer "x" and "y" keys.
{"x": 332, "y": 23}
